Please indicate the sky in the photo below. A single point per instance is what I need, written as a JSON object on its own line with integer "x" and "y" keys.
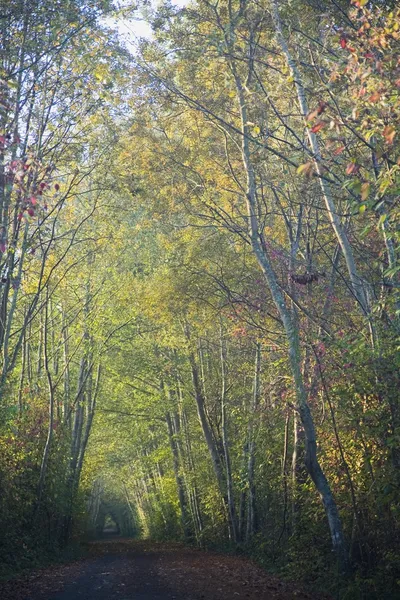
{"x": 131, "y": 30}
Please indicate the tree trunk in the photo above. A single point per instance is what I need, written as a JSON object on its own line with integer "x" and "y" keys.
{"x": 251, "y": 503}
{"x": 225, "y": 443}
{"x": 292, "y": 336}
{"x": 178, "y": 477}
{"x": 208, "y": 436}
{"x": 91, "y": 407}
{"x": 192, "y": 484}
{"x": 46, "y": 451}
{"x": 355, "y": 279}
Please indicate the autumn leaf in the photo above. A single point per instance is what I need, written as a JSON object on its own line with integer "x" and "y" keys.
{"x": 352, "y": 169}
{"x": 388, "y": 133}
{"x": 307, "y": 169}
{"x": 375, "y": 97}
{"x": 382, "y": 219}
{"x": 311, "y": 115}
{"x": 365, "y": 187}
{"x": 339, "y": 150}
{"x": 318, "y": 126}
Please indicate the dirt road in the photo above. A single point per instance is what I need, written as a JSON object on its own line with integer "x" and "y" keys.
{"x": 131, "y": 570}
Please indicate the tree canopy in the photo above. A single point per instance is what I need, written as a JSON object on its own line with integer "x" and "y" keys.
{"x": 200, "y": 279}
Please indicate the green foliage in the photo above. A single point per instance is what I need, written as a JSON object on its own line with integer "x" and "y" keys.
{"x": 133, "y": 306}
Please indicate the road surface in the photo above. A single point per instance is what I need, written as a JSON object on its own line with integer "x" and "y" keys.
{"x": 119, "y": 569}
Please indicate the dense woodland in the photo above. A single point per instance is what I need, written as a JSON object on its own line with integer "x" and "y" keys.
{"x": 200, "y": 282}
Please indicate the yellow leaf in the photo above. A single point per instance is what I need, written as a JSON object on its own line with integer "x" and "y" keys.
{"x": 365, "y": 191}
{"x": 305, "y": 169}
{"x": 382, "y": 219}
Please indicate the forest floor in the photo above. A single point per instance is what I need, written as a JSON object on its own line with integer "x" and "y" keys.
{"x": 123, "y": 569}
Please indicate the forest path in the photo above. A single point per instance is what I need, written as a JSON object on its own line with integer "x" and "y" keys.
{"x": 134, "y": 570}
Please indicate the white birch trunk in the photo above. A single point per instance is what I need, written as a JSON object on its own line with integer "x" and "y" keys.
{"x": 355, "y": 279}
{"x": 292, "y": 336}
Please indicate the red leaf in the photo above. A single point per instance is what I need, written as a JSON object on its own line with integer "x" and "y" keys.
{"x": 339, "y": 150}
{"x": 318, "y": 126}
{"x": 352, "y": 169}
{"x": 375, "y": 97}
{"x": 343, "y": 42}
